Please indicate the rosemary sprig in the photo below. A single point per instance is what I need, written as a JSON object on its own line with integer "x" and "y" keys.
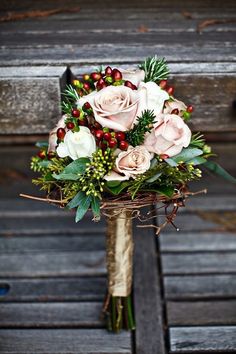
{"x": 155, "y": 69}
{"x": 144, "y": 124}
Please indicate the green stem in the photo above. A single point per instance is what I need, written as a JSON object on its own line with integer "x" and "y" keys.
{"x": 130, "y": 313}
{"x": 113, "y": 313}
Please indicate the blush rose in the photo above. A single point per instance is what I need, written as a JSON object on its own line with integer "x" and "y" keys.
{"x": 169, "y": 135}
{"x": 114, "y": 107}
{"x": 130, "y": 163}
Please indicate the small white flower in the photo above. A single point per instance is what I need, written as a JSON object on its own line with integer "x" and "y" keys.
{"x": 77, "y": 144}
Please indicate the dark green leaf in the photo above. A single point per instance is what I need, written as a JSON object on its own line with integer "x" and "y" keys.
{"x": 83, "y": 208}
{"x": 217, "y": 169}
{"x": 165, "y": 190}
{"x": 79, "y": 197}
{"x": 73, "y": 170}
{"x": 118, "y": 189}
{"x": 112, "y": 184}
{"x": 95, "y": 205}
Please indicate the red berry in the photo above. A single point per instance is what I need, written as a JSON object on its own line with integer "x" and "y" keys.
{"x": 116, "y": 75}
{"x": 170, "y": 90}
{"x": 190, "y": 109}
{"x": 112, "y": 143}
{"x": 96, "y": 76}
{"x": 107, "y": 136}
{"x": 130, "y": 85}
{"x": 175, "y": 111}
{"x": 123, "y": 145}
{"x": 163, "y": 84}
{"x": 120, "y": 136}
{"x": 101, "y": 84}
{"x": 99, "y": 134}
{"x": 41, "y": 154}
{"x": 86, "y": 86}
{"x": 87, "y": 105}
{"x": 83, "y": 122}
{"x": 108, "y": 71}
{"x": 61, "y": 133}
{"x": 51, "y": 154}
{"x": 103, "y": 145}
{"x": 70, "y": 125}
{"x": 75, "y": 112}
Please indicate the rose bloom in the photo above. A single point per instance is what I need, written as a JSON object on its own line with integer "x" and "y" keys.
{"x": 175, "y": 104}
{"x": 52, "y": 142}
{"x": 152, "y": 97}
{"x": 78, "y": 144}
{"x": 134, "y": 76}
{"x": 114, "y": 107}
{"x": 130, "y": 163}
{"x": 169, "y": 135}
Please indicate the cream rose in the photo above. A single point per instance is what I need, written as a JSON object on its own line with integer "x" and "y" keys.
{"x": 134, "y": 76}
{"x": 114, "y": 107}
{"x": 78, "y": 144}
{"x": 175, "y": 104}
{"x": 152, "y": 97}
{"x": 52, "y": 142}
{"x": 130, "y": 163}
{"x": 169, "y": 135}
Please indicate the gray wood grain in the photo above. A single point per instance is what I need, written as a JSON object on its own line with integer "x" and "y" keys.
{"x": 199, "y": 263}
{"x": 59, "y": 341}
{"x": 54, "y": 289}
{"x": 203, "y": 339}
{"x": 188, "y": 222}
{"x": 149, "y": 335}
{"x": 201, "y": 313}
{"x": 67, "y": 243}
{"x": 53, "y": 264}
{"x": 53, "y": 315}
{"x": 200, "y": 287}
{"x": 198, "y": 241}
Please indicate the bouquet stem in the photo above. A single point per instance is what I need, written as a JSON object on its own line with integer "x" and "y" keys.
{"x": 118, "y": 305}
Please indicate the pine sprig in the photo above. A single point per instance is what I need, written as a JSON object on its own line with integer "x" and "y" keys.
{"x": 197, "y": 140}
{"x": 144, "y": 124}
{"x": 155, "y": 69}
{"x": 71, "y": 94}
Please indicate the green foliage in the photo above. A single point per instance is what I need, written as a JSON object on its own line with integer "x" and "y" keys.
{"x": 186, "y": 155}
{"x": 155, "y": 69}
{"x": 74, "y": 170}
{"x": 217, "y": 169}
{"x": 71, "y": 94}
{"x": 144, "y": 124}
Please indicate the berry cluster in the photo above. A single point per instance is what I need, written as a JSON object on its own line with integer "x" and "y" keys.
{"x": 107, "y": 138}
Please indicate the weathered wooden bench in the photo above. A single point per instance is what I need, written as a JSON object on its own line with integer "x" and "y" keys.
{"x": 52, "y": 271}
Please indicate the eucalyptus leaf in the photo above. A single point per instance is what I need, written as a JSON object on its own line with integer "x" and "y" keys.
{"x": 171, "y": 162}
{"x": 42, "y": 144}
{"x": 154, "y": 178}
{"x": 217, "y": 169}
{"x": 66, "y": 176}
{"x": 83, "y": 207}
{"x": 198, "y": 160}
{"x": 44, "y": 163}
{"x": 187, "y": 154}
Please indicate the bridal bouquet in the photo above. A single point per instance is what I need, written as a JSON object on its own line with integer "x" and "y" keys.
{"x": 122, "y": 143}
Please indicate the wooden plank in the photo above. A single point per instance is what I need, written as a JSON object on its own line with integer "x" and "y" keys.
{"x": 54, "y": 289}
{"x": 197, "y": 241}
{"x": 53, "y": 264}
{"x": 46, "y": 225}
{"x": 52, "y": 244}
{"x": 51, "y": 315}
{"x": 57, "y": 341}
{"x": 201, "y": 313}
{"x": 211, "y": 202}
{"x": 200, "y": 287}
{"x": 149, "y": 335}
{"x": 199, "y": 263}
{"x": 203, "y": 339}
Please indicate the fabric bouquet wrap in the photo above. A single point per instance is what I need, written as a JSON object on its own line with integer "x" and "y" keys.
{"x": 122, "y": 144}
